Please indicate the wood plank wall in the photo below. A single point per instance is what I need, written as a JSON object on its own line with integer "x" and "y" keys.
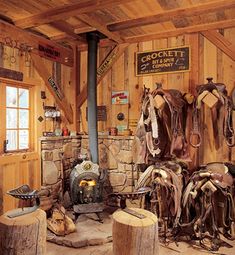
{"x": 17, "y": 169}
{"x": 207, "y": 61}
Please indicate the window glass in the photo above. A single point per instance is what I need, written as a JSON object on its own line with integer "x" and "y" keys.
{"x": 11, "y": 139}
{"x": 23, "y": 118}
{"x": 17, "y": 118}
{"x": 11, "y": 95}
{"x": 23, "y": 98}
{"x": 11, "y": 118}
{"x": 23, "y": 139}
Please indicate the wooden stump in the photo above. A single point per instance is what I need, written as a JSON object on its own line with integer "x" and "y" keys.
{"x": 134, "y": 236}
{"x": 23, "y": 235}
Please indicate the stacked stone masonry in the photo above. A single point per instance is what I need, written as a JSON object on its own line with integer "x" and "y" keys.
{"x": 58, "y": 155}
{"x": 115, "y": 155}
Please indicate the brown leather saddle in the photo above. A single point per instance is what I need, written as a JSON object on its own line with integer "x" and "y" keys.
{"x": 224, "y": 103}
{"x": 160, "y": 132}
{"x": 208, "y": 205}
{"x": 166, "y": 180}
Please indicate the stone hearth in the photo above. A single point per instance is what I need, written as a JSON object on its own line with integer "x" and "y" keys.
{"x": 88, "y": 232}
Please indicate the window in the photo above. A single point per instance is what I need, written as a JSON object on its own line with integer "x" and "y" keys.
{"x": 16, "y": 114}
{"x": 17, "y": 118}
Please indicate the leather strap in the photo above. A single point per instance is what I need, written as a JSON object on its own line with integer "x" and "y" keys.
{"x": 195, "y": 132}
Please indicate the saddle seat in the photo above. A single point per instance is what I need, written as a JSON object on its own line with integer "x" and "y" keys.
{"x": 208, "y": 203}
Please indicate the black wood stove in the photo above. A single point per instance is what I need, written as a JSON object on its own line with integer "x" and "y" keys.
{"x": 86, "y": 184}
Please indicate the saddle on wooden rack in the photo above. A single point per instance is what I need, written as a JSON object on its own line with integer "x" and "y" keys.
{"x": 166, "y": 180}
{"x": 160, "y": 131}
{"x": 136, "y": 194}
{"x": 216, "y": 97}
{"x": 208, "y": 205}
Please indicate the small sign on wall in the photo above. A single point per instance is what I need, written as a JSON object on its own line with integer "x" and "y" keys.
{"x": 55, "y": 87}
{"x": 101, "y": 113}
{"x": 163, "y": 61}
{"x": 51, "y": 52}
{"x": 11, "y": 74}
{"x": 120, "y": 97}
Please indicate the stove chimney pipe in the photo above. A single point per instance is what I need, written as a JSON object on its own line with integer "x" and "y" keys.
{"x": 92, "y": 40}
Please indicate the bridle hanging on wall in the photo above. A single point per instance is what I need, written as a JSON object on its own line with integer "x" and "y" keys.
{"x": 23, "y": 49}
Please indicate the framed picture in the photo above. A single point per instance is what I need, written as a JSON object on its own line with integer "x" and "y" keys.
{"x": 120, "y": 97}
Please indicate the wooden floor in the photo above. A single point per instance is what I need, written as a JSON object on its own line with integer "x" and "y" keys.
{"x": 106, "y": 249}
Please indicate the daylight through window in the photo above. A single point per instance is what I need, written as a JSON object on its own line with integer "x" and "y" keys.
{"x": 17, "y": 118}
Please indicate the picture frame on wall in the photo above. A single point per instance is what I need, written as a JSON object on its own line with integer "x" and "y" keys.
{"x": 120, "y": 97}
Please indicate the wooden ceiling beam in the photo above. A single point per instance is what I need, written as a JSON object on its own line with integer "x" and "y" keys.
{"x": 173, "y": 14}
{"x": 46, "y": 76}
{"x": 66, "y": 11}
{"x": 181, "y": 31}
{"x": 84, "y": 29}
{"x": 32, "y": 41}
{"x": 103, "y": 43}
{"x": 100, "y": 26}
{"x": 60, "y": 37}
{"x": 115, "y": 54}
{"x": 65, "y": 27}
{"x": 220, "y": 42}
{"x": 65, "y": 36}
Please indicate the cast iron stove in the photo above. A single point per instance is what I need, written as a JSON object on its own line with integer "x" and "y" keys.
{"x": 86, "y": 186}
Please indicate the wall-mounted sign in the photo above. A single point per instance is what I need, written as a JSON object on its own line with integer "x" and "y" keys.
{"x": 107, "y": 62}
{"x": 55, "y": 88}
{"x": 163, "y": 61}
{"x": 101, "y": 113}
{"x": 11, "y": 74}
{"x": 120, "y": 97}
{"x": 51, "y": 52}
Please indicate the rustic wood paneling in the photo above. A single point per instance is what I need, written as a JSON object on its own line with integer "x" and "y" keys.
{"x": 16, "y": 170}
{"x": 228, "y": 67}
{"x": 206, "y": 60}
{"x": 191, "y": 79}
{"x": 132, "y": 85}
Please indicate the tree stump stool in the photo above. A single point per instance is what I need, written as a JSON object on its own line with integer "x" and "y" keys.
{"x": 24, "y": 234}
{"x": 135, "y": 236}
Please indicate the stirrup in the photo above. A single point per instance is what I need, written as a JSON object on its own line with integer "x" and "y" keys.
{"x": 199, "y": 138}
{"x": 230, "y": 144}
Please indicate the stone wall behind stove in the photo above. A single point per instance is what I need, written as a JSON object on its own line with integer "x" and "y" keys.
{"x": 57, "y": 157}
{"x": 115, "y": 155}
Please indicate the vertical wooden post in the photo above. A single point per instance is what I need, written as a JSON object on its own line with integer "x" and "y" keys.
{"x": 1, "y": 190}
{"x": 1, "y": 54}
{"x": 193, "y": 82}
{"x": 76, "y": 80}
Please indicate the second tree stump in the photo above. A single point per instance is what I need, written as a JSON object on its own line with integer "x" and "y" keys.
{"x": 134, "y": 236}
